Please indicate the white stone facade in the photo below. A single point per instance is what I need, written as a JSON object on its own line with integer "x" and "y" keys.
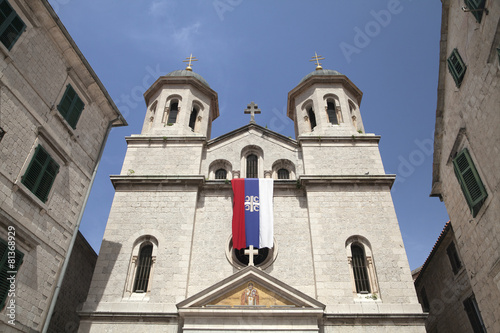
{"x": 337, "y": 194}
{"x": 34, "y": 74}
{"x": 468, "y": 116}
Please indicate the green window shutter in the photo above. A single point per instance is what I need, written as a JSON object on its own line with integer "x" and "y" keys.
{"x": 470, "y": 182}
{"x": 457, "y": 67}
{"x": 5, "y": 267}
{"x": 11, "y": 25}
{"x": 476, "y": 8}
{"x": 40, "y": 174}
{"x": 71, "y": 106}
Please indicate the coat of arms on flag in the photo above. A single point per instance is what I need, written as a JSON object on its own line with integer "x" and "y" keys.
{"x": 252, "y": 213}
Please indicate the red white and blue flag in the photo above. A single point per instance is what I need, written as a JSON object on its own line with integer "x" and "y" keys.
{"x": 252, "y": 213}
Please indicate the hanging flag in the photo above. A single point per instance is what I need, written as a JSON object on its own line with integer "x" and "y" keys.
{"x": 252, "y": 213}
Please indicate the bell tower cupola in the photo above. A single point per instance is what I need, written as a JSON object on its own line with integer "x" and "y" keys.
{"x": 180, "y": 104}
{"x": 325, "y": 103}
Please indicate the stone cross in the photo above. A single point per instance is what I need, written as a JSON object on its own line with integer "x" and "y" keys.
{"x": 251, "y": 252}
{"x": 252, "y": 108}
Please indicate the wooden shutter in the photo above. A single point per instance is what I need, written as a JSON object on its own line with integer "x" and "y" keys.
{"x": 476, "y": 8}
{"x": 456, "y": 67}
{"x": 71, "y": 106}
{"x": 470, "y": 182}
{"x": 40, "y": 174}
{"x": 472, "y": 311}
{"x": 11, "y": 26}
{"x": 5, "y": 267}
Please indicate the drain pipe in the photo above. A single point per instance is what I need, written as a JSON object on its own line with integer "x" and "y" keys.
{"x": 79, "y": 221}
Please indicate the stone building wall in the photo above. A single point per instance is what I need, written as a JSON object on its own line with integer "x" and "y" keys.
{"x": 75, "y": 287}
{"x": 34, "y": 75}
{"x": 468, "y": 117}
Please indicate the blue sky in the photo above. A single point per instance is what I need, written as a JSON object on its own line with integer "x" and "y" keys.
{"x": 259, "y": 51}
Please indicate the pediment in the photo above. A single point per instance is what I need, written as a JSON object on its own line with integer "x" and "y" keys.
{"x": 251, "y": 289}
{"x": 257, "y": 131}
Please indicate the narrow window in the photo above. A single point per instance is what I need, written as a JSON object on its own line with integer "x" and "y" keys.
{"x": 457, "y": 67}
{"x": 143, "y": 269}
{"x": 252, "y": 166}
{"x": 476, "y": 7}
{"x": 192, "y": 118}
{"x": 71, "y": 106}
{"x": 172, "y": 115}
{"x": 221, "y": 174}
{"x": 359, "y": 268}
{"x": 332, "y": 113}
{"x": 456, "y": 264}
{"x": 283, "y": 174}
{"x": 312, "y": 118}
{"x": 11, "y": 25}
{"x": 425, "y": 300}
{"x": 470, "y": 182}
{"x": 6, "y": 266}
{"x": 474, "y": 315}
{"x": 40, "y": 174}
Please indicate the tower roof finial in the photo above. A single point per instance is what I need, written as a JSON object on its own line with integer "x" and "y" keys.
{"x": 189, "y": 60}
{"x": 317, "y": 58}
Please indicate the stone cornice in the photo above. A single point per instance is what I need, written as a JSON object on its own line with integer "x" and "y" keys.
{"x": 309, "y": 180}
{"x": 339, "y": 139}
{"x": 164, "y": 139}
{"x": 140, "y": 181}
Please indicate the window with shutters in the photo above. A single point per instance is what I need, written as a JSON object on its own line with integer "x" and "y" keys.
{"x": 221, "y": 174}
{"x": 331, "y": 112}
{"x": 472, "y": 187}
{"x": 252, "y": 166}
{"x": 455, "y": 262}
{"x": 312, "y": 118}
{"x": 425, "y": 300}
{"x": 11, "y": 25}
{"x": 71, "y": 106}
{"x": 143, "y": 270}
{"x": 476, "y": 7}
{"x": 475, "y": 319}
{"x": 173, "y": 111}
{"x": 10, "y": 261}
{"x": 456, "y": 67}
{"x": 360, "y": 270}
{"x": 40, "y": 174}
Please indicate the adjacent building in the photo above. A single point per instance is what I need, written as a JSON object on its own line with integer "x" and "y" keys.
{"x": 55, "y": 116}
{"x": 167, "y": 262}
{"x": 467, "y": 147}
{"x": 445, "y": 291}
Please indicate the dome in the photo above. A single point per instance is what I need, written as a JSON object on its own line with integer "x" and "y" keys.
{"x": 320, "y": 72}
{"x": 184, "y": 72}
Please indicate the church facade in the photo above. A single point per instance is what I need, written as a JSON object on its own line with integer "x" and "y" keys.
{"x": 338, "y": 263}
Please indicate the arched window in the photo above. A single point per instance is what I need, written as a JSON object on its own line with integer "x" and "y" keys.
{"x": 221, "y": 174}
{"x": 143, "y": 269}
{"x": 192, "y": 118}
{"x": 252, "y": 166}
{"x": 172, "y": 115}
{"x": 312, "y": 118}
{"x": 332, "y": 113}
{"x": 283, "y": 174}
{"x": 360, "y": 271}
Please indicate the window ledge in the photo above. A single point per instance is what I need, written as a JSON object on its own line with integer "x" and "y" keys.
{"x": 138, "y": 297}
{"x": 361, "y": 298}
{"x": 20, "y": 186}
{"x": 70, "y": 129}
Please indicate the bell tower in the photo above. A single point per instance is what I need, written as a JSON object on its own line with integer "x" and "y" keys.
{"x": 325, "y": 103}
{"x": 180, "y": 104}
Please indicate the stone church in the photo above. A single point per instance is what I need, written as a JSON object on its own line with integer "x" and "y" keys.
{"x": 337, "y": 264}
